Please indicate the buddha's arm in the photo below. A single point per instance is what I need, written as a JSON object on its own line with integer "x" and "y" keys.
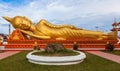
{"x": 44, "y": 22}
{"x": 36, "y": 36}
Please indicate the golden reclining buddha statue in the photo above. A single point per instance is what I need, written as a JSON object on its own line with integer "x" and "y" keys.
{"x": 45, "y": 30}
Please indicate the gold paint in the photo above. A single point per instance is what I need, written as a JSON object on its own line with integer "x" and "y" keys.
{"x": 15, "y": 37}
{"x": 46, "y": 30}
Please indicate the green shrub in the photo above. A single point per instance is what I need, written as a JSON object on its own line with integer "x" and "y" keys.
{"x": 36, "y": 48}
{"x": 110, "y": 47}
{"x": 54, "y": 47}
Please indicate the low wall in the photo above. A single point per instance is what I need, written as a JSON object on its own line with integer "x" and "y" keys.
{"x": 2, "y": 47}
{"x": 83, "y": 43}
{"x": 80, "y": 41}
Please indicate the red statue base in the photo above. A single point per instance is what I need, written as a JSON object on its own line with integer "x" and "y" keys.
{"x": 17, "y": 40}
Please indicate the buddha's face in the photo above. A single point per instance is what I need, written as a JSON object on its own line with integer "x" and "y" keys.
{"x": 20, "y": 22}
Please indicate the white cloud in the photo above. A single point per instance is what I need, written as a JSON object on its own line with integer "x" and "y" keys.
{"x": 76, "y": 12}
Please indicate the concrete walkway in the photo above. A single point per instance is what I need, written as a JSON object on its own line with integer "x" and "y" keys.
{"x": 108, "y": 56}
{"x": 7, "y": 53}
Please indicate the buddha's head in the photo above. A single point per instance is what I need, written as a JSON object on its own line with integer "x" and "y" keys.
{"x": 19, "y": 22}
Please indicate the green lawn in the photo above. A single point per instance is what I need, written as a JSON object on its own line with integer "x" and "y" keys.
{"x": 19, "y": 62}
{"x": 117, "y": 52}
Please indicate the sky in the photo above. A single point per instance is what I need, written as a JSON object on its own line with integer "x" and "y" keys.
{"x": 86, "y": 14}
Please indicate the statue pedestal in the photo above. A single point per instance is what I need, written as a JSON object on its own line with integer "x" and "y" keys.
{"x": 17, "y": 40}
